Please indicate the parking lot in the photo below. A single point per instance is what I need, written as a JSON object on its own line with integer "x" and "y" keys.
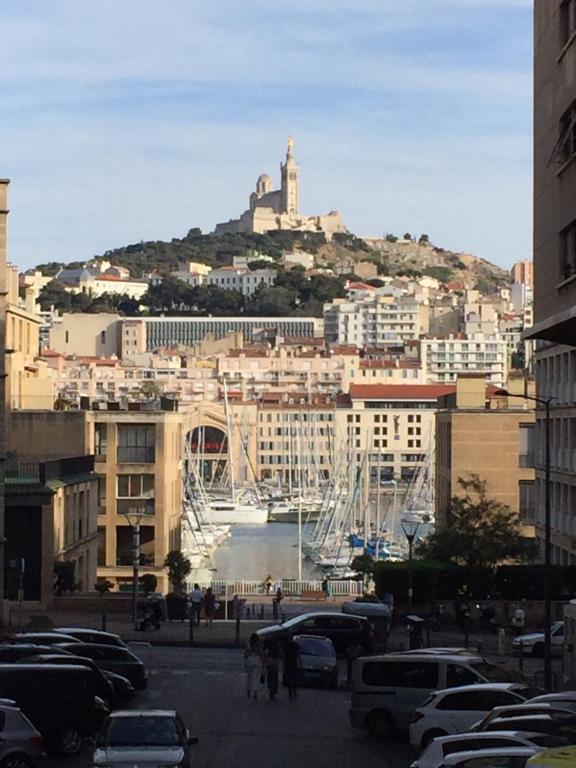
{"x": 208, "y": 688}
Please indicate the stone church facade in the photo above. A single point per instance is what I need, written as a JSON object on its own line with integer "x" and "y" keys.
{"x": 278, "y": 208}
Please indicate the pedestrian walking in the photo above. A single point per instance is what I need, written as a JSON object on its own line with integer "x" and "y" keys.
{"x": 196, "y": 600}
{"x": 253, "y": 665}
{"x": 272, "y": 665}
{"x": 291, "y": 656}
{"x": 268, "y": 583}
{"x": 209, "y": 606}
{"x": 326, "y": 588}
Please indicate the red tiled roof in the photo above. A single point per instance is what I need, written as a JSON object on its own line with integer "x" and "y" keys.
{"x": 400, "y": 391}
{"x": 360, "y": 287}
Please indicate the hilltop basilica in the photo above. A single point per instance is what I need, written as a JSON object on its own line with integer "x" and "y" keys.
{"x": 278, "y": 208}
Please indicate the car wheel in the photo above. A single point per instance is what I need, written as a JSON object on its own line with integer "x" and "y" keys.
{"x": 380, "y": 725}
{"x": 538, "y": 650}
{"x": 17, "y": 761}
{"x": 429, "y": 736}
{"x": 71, "y": 741}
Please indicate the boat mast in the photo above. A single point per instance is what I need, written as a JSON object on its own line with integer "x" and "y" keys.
{"x": 229, "y": 430}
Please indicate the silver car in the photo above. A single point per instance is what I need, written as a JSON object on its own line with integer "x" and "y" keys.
{"x": 148, "y": 739}
{"x": 20, "y": 743}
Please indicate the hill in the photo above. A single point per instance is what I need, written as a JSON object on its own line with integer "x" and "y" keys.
{"x": 391, "y": 256}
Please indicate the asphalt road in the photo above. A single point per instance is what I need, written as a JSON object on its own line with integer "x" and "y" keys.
{"x": 208, "y": 688}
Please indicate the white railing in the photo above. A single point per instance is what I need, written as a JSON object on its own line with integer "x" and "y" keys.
{"x": 289, "y": 587}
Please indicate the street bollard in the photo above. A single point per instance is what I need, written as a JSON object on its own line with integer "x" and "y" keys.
{"x": 191, "y": 629}
{"x": 501, "y": 641}
{"x": 521, "y": 657}
{"x": 237, "y": 629}
{"x": 103, "y": 621}
{"x": 262, "y": 613}
{"x": 275, "y": 609}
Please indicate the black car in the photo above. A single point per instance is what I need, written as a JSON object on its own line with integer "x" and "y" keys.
{"x": 10, "y": 654}
{"x": 119, "y": 660}
{"x": 565, "y": 727}
{"x": 102, "y": 686}
{"x": 59, "y": 700}
{"x": 41, "y": 638}
{"x": 345, "y": 631}
{"x": 317, "y": 663}
{"x": 88, "y": 635}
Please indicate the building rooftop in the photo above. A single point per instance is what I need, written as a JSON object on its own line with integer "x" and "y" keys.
{"x": 399, "y": 391}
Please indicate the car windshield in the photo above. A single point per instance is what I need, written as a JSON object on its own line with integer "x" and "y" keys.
{"x": 310, "y": 647}
{"x": 497, "y": 674}
{"x": 141, "y": 732}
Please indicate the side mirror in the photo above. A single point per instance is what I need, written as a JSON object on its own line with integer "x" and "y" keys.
{"x": 192, "y": 741}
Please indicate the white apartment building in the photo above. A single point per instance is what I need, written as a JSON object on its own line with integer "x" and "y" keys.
{"x": 444, "y": 359}
{"x": 241, "y": 279}
{"x": 375, "y": 321}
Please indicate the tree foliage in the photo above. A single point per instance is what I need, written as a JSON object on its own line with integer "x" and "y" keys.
{"x": 481, "y": 532}
{"x": 179, "y": 567}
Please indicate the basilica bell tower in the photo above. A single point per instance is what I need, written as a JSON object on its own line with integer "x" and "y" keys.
{"x": 289, "y": 187}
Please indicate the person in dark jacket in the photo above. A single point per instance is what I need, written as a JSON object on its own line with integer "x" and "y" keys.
{"x": 291, "y": 657}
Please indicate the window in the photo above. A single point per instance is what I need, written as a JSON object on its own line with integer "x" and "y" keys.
{"x": 101, "y": 545}
{"x": 135, "y": 493}
{"x": 100, "y": 442}
{"x": 458, "y": 675}
{"x": 411, "y": 674}
{"x": 136, "y": 443}
{"x": 470, "y": 701}
{"x": 567, "y": 20}
{"x": 103, "y": 337}
{"x": 125, "y": 545}
{"x": 568, "y": 251}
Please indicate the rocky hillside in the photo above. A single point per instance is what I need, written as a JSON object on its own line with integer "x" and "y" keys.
{"x": 391, "y": 256}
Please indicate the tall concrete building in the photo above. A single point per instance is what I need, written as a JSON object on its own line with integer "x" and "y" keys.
{"x": 523, "y": 272}
{"x": 3, "y": 227}
{"x": 555, "y": 262}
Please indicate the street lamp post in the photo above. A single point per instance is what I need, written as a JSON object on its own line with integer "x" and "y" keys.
{"x": 134, "y": 518}
{"x": 544, "y": 401}
{"x": 410, "y": 528}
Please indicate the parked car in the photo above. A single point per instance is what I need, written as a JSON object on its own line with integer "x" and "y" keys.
{"x": 41, "y": 638}
{"x": 387, "y": 690}
{"x": 506, "y": 757}
{"x": 59, "y": 700}
{"x": 114, "y": 659}
{"x": 102, "y": 687}
{"x": 564, "y": 699}
{"x": 542, "y": 723}
{"x": 434, "y": 754}
{"x": 21, "y": 745}
{"x": 86, "y": 635}
{"x": 346, "y": 632}
{"x": 317, "y": 663}
{"x": 155, "y": 739}
{"x": 455, "y": 710}
{"x": 523, "y": 710}
{"x": 533, "y": 642}
{"x": 9, "y": 654}
{"x": 123, "y": 688}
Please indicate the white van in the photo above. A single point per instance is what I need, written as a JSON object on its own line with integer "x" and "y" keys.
{"x": 387, "y": 690}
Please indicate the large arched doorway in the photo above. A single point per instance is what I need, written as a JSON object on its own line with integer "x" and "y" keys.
{"x": 207, "y": 447}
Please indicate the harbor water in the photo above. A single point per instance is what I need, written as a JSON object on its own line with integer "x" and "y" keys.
{"x": 254, "y": 551}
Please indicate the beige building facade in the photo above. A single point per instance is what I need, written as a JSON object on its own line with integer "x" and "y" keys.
{"x": 96, "y": 335}
{"x": 478, "y": 432}
{"x": 138, "y": 458}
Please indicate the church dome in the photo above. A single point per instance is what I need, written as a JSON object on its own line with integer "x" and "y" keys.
{"x": 263, "y": 185}
{"x": 263, "y": 178}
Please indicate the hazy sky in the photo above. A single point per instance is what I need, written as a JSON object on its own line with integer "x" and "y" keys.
{"x": 123, "y": 120}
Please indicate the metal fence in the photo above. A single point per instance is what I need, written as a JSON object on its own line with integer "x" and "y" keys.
{"x": 289, "y": 587}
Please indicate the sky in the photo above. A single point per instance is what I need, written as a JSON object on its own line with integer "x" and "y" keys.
{"x": 129, "y": 120}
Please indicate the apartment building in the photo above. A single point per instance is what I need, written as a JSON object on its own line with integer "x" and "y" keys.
{"x": 444, "y": 359}
{"x": 241, "y": 279}
{"x": 480, "y": 433}
{"x": 90, "y": 335}
{"x": 523, "y": 272}
{"x": 375, "y": 321}
{"x": 393, "y": 425}
{"x": 555, "y": 263}
{"x": 138, "y": 457}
